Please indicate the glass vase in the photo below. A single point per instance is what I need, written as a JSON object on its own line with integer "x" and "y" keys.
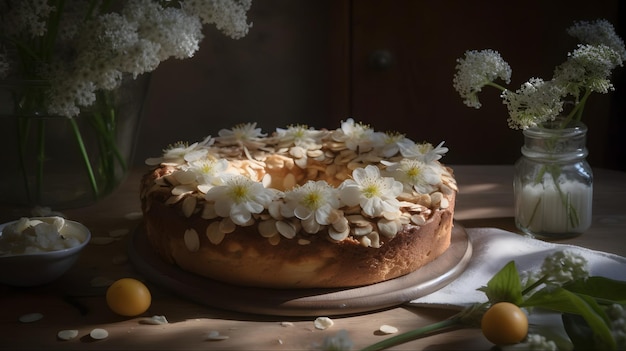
{"x": 60, "y": 162}
{"x": 553, "y": 183}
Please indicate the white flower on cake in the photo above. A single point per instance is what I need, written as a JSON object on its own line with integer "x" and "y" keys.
{"x": 376, "y": 195}
{"x": 357, "y": 136}
{"x": 180, "y": 153}
{"x": 425, "y": 152}
{"x": 300, "y": 135}
{"x": 203, "y": 174}
{"x": 300, "y": 139}
{"x": 246, "y": 135}
{"x": 239, "y": 198}
{"x": 416, "y": 175}
{"x": 316, "y": 203}
{"x": 394, "y": 143}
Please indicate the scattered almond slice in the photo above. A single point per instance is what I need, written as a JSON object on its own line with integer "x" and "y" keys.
{"x": 286, "y": 324}
{"x": 214, "y": 335}
{"x": 323, "y": 323}
{"x": 118, "y": 233}
{"x": 30, "y": 317}
{"x": 192, "y": 241}
{"x": 133, "y": 215}
{"x": 388, "y": 329}
{"x": 99, "y": 334}
{"x": 67, "y": 334}
{"x": 101, "y": 240}
{"x": 154, "y": 320}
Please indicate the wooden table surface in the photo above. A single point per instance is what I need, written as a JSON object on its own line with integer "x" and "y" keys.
{"x": 485, "y": 200}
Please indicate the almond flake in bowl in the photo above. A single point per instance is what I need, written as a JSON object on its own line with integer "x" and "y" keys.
{"x": 35, "y": 251}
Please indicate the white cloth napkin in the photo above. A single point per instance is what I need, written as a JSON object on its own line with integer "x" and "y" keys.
{"x": 493, "y": 248}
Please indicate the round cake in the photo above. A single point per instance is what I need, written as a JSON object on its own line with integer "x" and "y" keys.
{"x": 300, "y": 208}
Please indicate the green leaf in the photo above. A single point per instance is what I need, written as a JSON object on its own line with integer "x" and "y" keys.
{"x": 561, "y": 300}
{"x": 579, "y": 332}
{"x": 600, "y": 288}
{"x": 505, "y": 285}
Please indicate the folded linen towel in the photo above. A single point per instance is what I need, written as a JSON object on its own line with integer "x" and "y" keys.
{"x": 493, "y": 248}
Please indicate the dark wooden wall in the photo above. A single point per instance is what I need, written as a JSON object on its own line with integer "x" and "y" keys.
{"x": 310, "y": 62}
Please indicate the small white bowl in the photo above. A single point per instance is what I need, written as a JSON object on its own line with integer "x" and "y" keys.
{"x": 38, "y": 268}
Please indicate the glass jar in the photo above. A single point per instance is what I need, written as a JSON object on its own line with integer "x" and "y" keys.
{"x": 553, "y": 183}
{"x": 60, "y": 162}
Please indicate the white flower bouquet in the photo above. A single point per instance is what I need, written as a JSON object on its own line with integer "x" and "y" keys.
{"x": 68, "y": 59}
{"x": 553, "y": 184}
{"x": 587, "y": 70}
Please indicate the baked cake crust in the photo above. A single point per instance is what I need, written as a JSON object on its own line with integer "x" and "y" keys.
{"x": 184, "y": 230}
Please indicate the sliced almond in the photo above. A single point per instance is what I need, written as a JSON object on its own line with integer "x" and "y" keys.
{"x": 227, "y": 225}
{"x": 99, "y": 334}
{"x": 362, "y": 230}
{"x": 337, "y": 235}
{"x": 388, "y": 329}
{"x": 389, "y": 228}
{"x": 67, "y": 334}
{"x": 268, "y": 228}
{"x": 192, "y": 240}
{"x": 189, "y": 206}
{"x": 274, "y": 240}
{"x": 286, "y": 229}
{"x": 154, "y": 320}
{"x": 30, "y": 317}
{"x": 323, "y": 323}
{"x": 134, "y": 215}
{"x": 214, "y": 234}
{"x": 214, "y": 335}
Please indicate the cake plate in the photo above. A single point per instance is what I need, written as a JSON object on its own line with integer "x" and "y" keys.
{"x": 303, "y": 302}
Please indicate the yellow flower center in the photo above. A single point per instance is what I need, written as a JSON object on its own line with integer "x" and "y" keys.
{"x": 413, "y": 172}
{"x": 239, "y": 193}
{"x": 206, "y": 168}
{"x": 312, "y": 200}
{"x": 371, "y": 190}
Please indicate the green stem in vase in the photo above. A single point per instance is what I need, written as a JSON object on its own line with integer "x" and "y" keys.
{"x": 41, "y": 157}
{"x": 571, "y": 211}
{"x": 104, "y": 121}
{"x": 83, "y": 151}
{"x": 23, "y": 125}
{"x": 577, "y": 112}
{"x": 532, "y": 216}
{"x": 572, "y": 214}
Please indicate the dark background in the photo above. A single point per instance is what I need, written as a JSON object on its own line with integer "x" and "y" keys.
{"x": 315, "y": 62}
